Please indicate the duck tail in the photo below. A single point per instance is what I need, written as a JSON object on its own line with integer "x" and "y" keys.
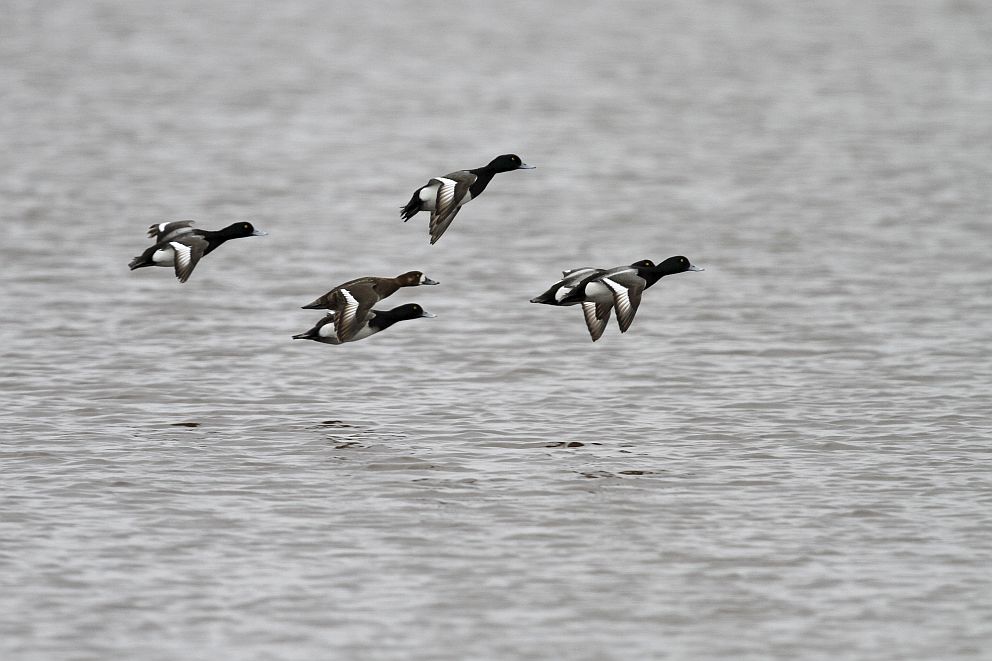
{"x": 138, "y": 262}
{"x": 315, "y": 305}
{"x": 548, "y": 298}
{"x": 302, "y": 336}
{"x": 412, "y": 207}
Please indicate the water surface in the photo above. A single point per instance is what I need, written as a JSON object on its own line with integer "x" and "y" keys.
{"x": 785, "y": 457}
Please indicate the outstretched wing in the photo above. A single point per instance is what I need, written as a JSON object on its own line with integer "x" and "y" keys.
{"x": 189, "y": 249}
{"x": 351, "y": 310}
{"x": 596, "y": 314}
{"x": 626, "y": 299}
{"x": 168, "y": 231}
{"x": 452, "y": 192}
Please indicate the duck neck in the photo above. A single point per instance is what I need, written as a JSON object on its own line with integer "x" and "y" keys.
{"x": 483, "y": 176}
{"x": 216, "y": 237}
{"x": 652, "y": 276}
{"x": 383, "y": 319}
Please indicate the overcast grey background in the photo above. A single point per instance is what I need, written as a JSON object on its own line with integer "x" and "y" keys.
{"x": 786, "y": 457}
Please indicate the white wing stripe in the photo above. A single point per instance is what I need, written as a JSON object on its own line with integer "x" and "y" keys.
{"x": 621, "y": 299}
{"x": 182, "y": 254}
{"x": 344, "y": 323}
{"x": 445, "y": 194}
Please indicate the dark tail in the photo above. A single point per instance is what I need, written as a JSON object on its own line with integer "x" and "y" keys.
{"x": 412, "y": 207}
{"x": 548, "y": 298}
{"x": 316, "y": 305}
{"x": 138, "y": 262}
{"x": 302, "y": 336}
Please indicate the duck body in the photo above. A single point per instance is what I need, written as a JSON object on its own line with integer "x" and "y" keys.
{"x": 180, "y": 246}
{"x": 619, "y": 288}
{"x": 569, "y": 279}
{"x": 374, "y": 322}
{"x": 369, "y": 288}
{"x": 445, "y": 196}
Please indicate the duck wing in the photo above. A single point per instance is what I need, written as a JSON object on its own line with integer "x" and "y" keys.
{"x": 596, "y": 315}
{"x": 451, "y": 192}
{"x": 168, "y": 231}
{"x": 189, "y": 249}
{"x": 351, "y": 309}
{"x": 329, "y": 300}
{"x": 627, "y": 292}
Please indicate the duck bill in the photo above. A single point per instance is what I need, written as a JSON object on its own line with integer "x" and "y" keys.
{"x": 524, "y": 166}
{"x": 259, "y": 233}
{"x": 696, "y": 268}
{"x": 428, "y": 315}
{"x": 427, "y": 281}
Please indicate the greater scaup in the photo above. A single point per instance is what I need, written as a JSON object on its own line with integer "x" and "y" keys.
{"x": 619, "y": 288}
{"x": 444, "y": 196}
{"x": 370, "y": 289}
{"x": 180, "y": 246}
{"x": 375, "y": 321}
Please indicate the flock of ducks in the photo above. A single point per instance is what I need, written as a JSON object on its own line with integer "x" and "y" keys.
{"x": 350, "y": 314}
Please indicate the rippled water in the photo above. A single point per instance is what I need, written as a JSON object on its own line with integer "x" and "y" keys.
{"x": 786, "y": 457}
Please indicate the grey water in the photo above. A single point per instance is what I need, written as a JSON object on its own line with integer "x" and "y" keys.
{"x": 785, "y": 457}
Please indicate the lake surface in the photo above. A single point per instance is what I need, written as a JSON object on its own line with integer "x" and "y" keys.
{"x": 786, "y": 457}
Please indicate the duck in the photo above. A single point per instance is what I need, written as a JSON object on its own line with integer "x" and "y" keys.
{"x": 375, "y": 321}
{"x": 619, "y": 288}
{"x": 445, "y": 196}
{"x": 370, "y": 289}
{"x": 596, "y": 314}
{"x": 179, "y": 245}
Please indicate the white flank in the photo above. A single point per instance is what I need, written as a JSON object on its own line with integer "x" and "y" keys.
{"x": 164, "y": 257}
{"x": 597, "y": 291}
{"x": 427, "y": 196}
